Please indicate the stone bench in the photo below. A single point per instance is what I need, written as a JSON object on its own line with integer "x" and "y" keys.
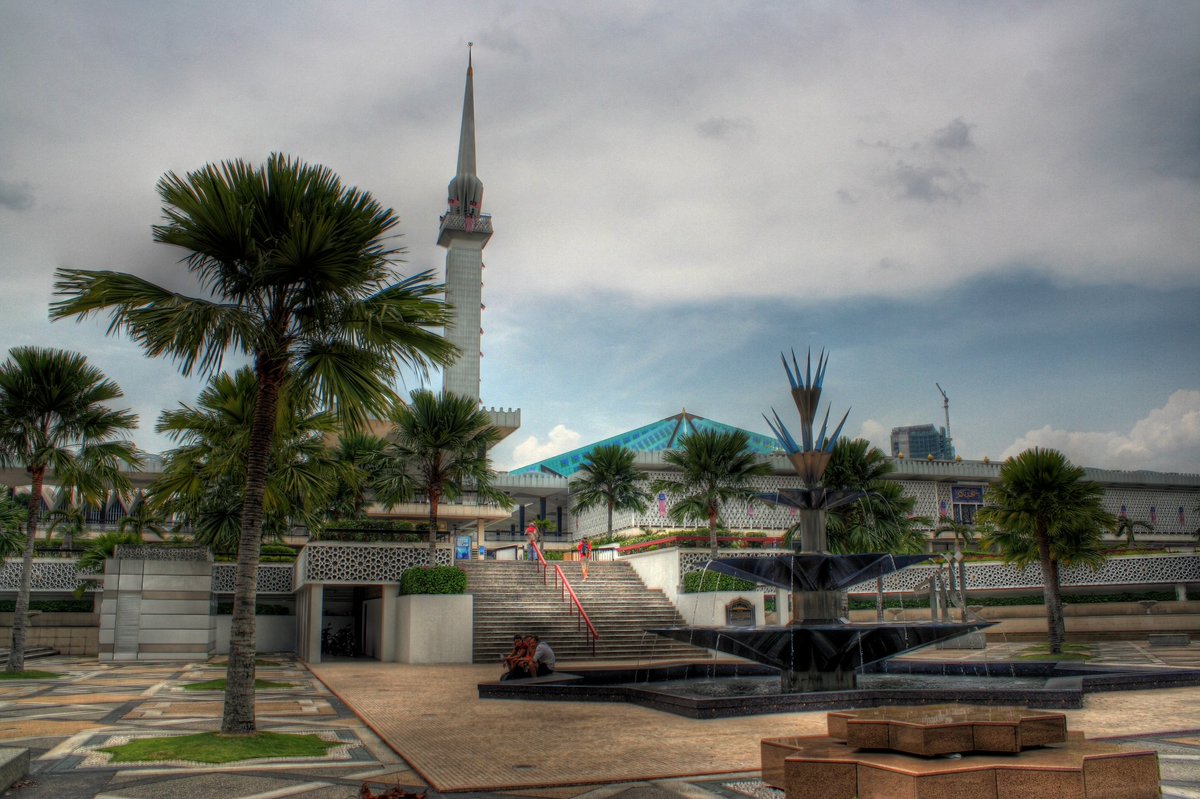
{"x": 1169, "y": 639}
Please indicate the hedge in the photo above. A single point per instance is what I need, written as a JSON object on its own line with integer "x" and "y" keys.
{"x": 433, "y": 580}
{"x": 699, "y": 581}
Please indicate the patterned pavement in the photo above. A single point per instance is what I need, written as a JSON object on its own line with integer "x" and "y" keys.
{"x": 449, "y": 741}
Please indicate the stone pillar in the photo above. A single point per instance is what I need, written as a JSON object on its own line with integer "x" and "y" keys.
{"x": 309, "y": 606}
{"x": 1181, "y": 592}
{"x": 387, "y": 623}
{"x": 478, "y": 544}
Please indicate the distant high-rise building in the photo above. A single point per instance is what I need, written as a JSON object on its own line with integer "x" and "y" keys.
{"x": 919, "y": 441}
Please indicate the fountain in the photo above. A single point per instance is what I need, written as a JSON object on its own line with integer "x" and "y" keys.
{"x": 818, "y": 650}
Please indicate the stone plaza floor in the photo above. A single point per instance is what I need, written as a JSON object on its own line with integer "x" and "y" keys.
{"x": 424, "y": 728}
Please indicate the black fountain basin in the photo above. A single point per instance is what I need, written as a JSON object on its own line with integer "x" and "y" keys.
{"x": 813, "y": 571}
{"x": 831, "y": 647}
{"x": 706, "y": 691}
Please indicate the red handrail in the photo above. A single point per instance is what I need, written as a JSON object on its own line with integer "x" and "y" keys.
{"x": 563, "y": 591}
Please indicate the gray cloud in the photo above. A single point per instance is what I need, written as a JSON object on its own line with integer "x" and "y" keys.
{"x": 16, "y": 196}
{"x": 955, "y": 136}
{"x": 932, "y": 183}
{"x": 725, "y": 128}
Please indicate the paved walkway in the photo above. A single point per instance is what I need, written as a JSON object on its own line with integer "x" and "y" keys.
{"x": 448, "y": 740}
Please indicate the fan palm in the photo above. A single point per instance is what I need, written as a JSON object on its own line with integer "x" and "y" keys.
{"x": 295, "y": 273}
{"x": 1043, "y": 509}
{"x": 143, "y": 517}
{"x": 203, "y": 480}
{"x": 12, "y": 538}
{"x": 55, "y": 415}
{"x": 609, "y": 478}
{"x": 715, "y": 467}
{"x": 359, "y": 454}
{"x": 68, "y": 515}
{"x": 439, "y": 448}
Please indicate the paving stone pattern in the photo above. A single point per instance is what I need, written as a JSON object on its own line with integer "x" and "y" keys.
{"x": 438, "y": 736}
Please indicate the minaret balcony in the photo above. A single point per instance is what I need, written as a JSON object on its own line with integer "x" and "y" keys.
{"x": 454, "y": 225}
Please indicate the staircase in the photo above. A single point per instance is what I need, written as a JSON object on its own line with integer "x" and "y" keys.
{"x": 510, "y": 599}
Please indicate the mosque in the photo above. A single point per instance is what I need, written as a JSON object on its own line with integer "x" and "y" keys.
{"x": 1168, "y": 503}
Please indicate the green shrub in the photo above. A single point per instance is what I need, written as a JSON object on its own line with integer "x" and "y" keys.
{"x": 434, "y": 580}
{"x": 553, "y": 554}
{"x": 1025, "y": 599}
{"x": 698, "y": 581}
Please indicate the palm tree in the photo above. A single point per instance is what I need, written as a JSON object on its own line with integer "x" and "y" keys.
{"x": 143, "y": 517}
{"x": 962, "y": 535}
{"x": 295, "y": 273}
{"x": 55, "y": 415}
{"x": 881, "y": 521}
{"x": 360, "y": 455}
{"x": 203, "y": 480}
{"x": 716, "y": 467}
{"x": 1128, "y": 528}
{"x": 439, "y": 448}
{"x": 1042, "y": 504}
{"x": 609, "y": 478}
{"x": 12, "y": 517}
{"x": 68, "y": 513}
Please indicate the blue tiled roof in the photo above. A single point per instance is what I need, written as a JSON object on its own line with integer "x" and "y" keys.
{"x": 654, "y": 437}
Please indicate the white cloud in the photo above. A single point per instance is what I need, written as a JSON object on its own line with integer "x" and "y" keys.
{"x": 877, "y": 433}
{"x": 561, "y": 439}
{"x": 1168, "y": 438}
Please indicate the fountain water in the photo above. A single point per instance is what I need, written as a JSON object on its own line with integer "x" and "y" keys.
{"x": 818, "y": 650}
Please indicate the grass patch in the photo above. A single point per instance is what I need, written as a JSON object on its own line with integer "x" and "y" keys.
{"x": 219, "y": 685}
{"x": 28, "y": 675}
{"x": 1069, "y": 652}
{"x": 211, "y": 747}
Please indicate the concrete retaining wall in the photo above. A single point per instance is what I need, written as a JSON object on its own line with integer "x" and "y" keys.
{"x": 69, "y": 633}
{"x": 157, "y": 610}
{"x": 707, "y": 609}
{"x": 434, "y": 628}
{"x": 271, "y": 633}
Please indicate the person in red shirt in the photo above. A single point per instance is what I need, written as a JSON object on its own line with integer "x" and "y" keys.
{"x": 585, "y": 554}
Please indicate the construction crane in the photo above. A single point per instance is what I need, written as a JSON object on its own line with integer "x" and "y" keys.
{"x": 946, "y": 408}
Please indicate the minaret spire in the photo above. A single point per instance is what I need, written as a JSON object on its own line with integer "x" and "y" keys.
{"x": 466, "y": 189}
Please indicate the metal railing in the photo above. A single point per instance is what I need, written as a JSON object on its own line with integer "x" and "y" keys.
{"x": 565, "y": 590}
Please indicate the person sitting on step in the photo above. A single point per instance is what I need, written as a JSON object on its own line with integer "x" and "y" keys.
{"x": 541, "y": 662}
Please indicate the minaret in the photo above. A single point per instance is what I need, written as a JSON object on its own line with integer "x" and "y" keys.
{"x": 464, "y": 233}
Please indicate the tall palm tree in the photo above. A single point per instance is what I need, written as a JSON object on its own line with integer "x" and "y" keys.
{"x": 295, "y": 272}
{"x": 440, "y": 449}
{"x": 203, "y": 480}
{"x": 55, "y": 415}
{"x": 716, "y": 467}
{"x": 1042, "y": 504}
{"x": 609, "y": 478}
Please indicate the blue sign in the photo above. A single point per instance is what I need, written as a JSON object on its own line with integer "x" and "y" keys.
{"x": 462, "y": 547}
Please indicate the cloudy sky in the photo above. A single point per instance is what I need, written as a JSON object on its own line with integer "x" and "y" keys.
{"x": 1003, "y": 198}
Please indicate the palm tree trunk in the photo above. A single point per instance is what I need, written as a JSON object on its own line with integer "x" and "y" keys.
{"x": 20, "y": 623}
{"x": 238, "y": 718}
{"x": 610, "y": 513}
{"x": 1056, "y": 627}
{"x": 435, "y": 496}
{"x": 713, "y": 545}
